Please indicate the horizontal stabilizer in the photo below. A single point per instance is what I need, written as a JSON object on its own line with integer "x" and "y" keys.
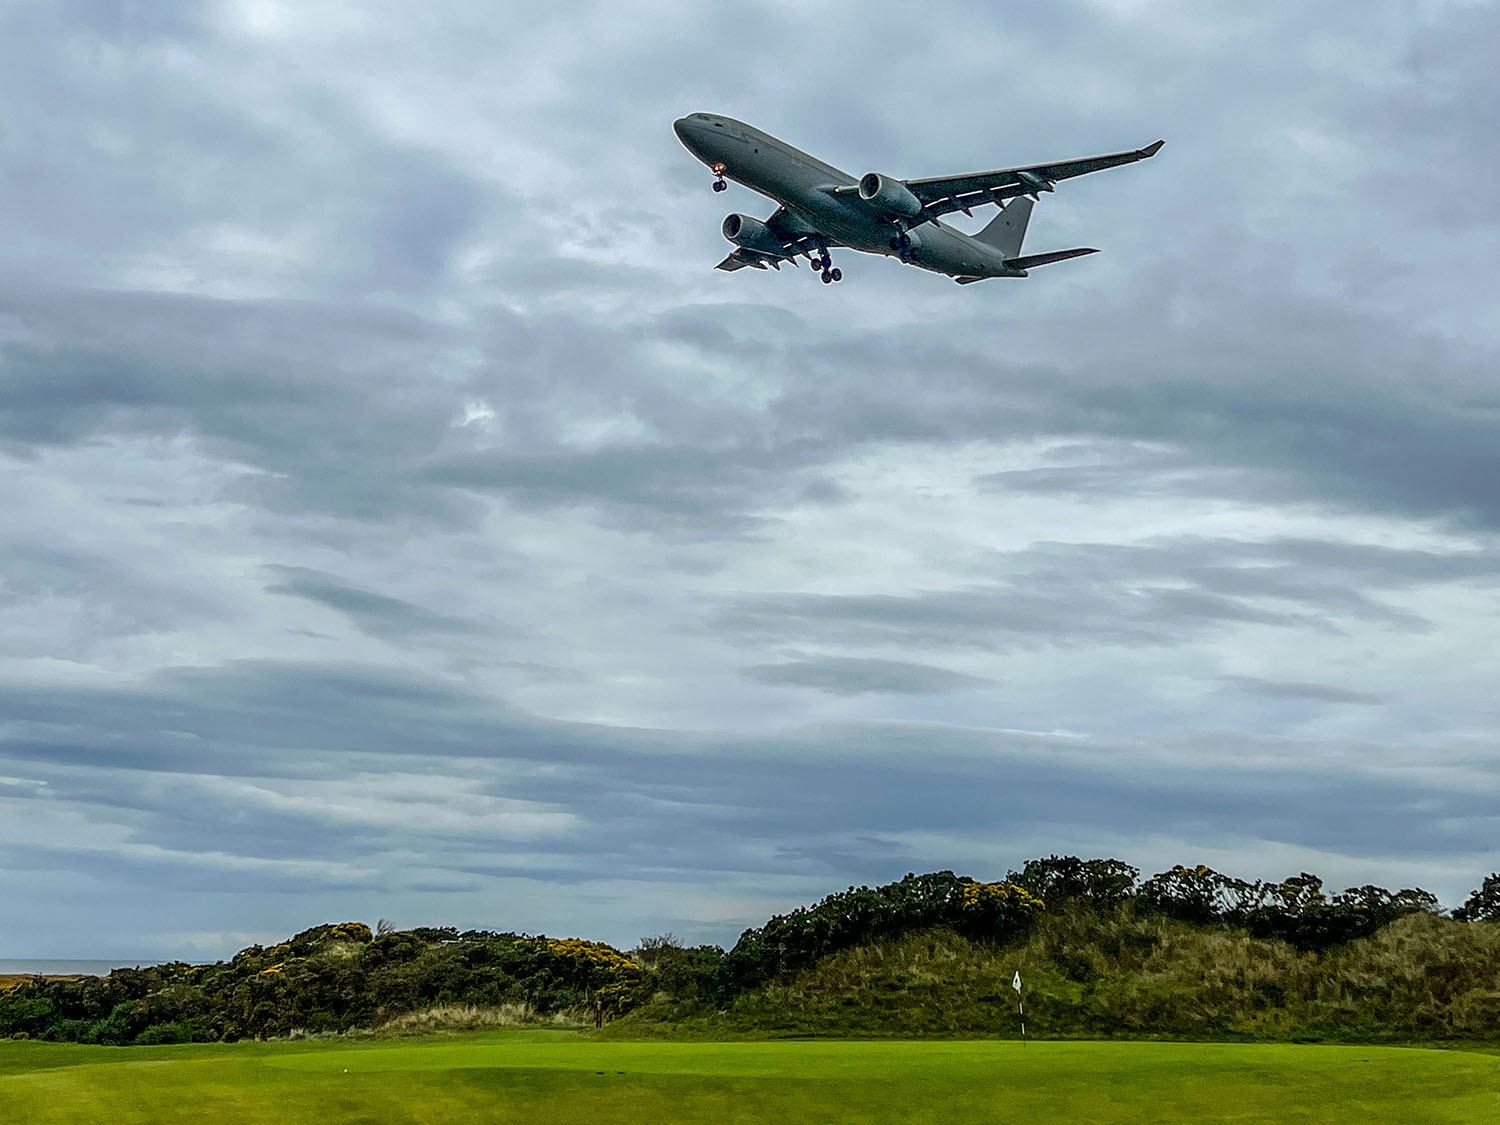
{"x": 1047, "y": 259}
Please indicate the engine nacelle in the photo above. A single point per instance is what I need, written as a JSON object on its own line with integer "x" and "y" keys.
{"x": 750, "y": 233}
{"x": 890, "y": 197}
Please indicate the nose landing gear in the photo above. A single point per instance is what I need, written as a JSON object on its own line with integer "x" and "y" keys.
{"x": 718, "y": 171}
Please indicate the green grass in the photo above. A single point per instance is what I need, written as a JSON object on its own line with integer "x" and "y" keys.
{"x": 541, "y": 1076}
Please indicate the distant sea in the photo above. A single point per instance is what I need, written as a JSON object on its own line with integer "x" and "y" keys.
{"x": 67, "y": 968}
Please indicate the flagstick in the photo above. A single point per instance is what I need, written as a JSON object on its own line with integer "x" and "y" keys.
{"x": 1020, "y": 1005}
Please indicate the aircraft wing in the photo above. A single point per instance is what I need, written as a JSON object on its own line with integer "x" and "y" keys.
{"x": 795, "y": 235}
{"x": 941, "y": 195}
{"x": 740, "y": 257}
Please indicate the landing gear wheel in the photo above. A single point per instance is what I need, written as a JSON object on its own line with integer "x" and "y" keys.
{"x": 836, "y": 273}
{"x": 720, "y": 185}
{"x": 827, "y": 278}
{"x": 905, "y": 241}
{"x": 895, "y": 242}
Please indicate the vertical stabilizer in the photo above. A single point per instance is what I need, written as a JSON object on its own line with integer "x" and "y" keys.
{"x": 1007, "y": 229}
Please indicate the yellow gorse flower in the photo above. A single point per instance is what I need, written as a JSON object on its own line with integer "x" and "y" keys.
{"x": 998, "y": 895}
{"x": 595, "y": 953}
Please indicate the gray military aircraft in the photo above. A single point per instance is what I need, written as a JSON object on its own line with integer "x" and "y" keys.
{"x": 822, "y": 207}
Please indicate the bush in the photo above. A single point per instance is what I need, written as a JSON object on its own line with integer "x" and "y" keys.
{"x": 1294, "y": 910}
{"x": 1101, "y": 883}
{"x": 983, "y": 911}
{"x": 1484, "y": 904}
{"x": 689, "y": 975}
{"x": 174, "y": 1032}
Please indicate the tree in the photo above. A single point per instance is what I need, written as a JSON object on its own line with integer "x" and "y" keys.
{"x": 1484, "y": 904}
{"x": 1059, "y": 878}
{"x": 1199, "y": 895}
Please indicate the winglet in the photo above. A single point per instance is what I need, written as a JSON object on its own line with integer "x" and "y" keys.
{"x": 1150, "y": 150}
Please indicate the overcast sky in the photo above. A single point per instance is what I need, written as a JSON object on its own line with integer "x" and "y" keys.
{"x": 399, "y": 516}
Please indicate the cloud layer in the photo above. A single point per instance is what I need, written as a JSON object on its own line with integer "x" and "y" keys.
{"x": 401, "y": 518}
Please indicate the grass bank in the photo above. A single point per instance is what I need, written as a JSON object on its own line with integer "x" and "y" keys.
{"x": 1420, "y": 979}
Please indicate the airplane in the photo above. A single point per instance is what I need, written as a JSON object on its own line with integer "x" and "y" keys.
{"x": 822, "y": 207}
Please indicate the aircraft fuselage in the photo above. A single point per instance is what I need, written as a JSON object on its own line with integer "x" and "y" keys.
{"x": 808, "y": 189}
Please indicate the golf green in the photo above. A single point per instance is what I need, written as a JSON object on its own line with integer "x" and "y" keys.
{"x": 544, "y": 1076}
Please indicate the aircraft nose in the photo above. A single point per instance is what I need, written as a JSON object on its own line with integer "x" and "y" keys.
{"x": 680, "y": 127}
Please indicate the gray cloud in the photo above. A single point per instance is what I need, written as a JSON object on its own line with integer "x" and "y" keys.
{"x": 1292, "y": 689}
{"x": 376, "y": 614}
{"x": 849, "y": 676}
{"x": 1062, "y": 594}
{"x": 400, "y": 514}
{"x": 539, "y": 800}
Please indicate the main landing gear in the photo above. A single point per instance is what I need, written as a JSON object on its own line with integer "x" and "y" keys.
{"x": 718, "y": 171}
{"x": 830, "y": 272}
{"x": 901, "y": 244}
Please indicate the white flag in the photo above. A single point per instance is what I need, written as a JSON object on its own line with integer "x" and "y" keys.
{"x": 1016, "y": 984}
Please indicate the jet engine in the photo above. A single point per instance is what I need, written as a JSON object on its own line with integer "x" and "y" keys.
{"x": 890, "y": 197}
{"x": 752, "y": 234}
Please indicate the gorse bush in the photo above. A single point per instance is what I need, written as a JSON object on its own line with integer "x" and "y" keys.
{"x": 326, "y": 979}
{"x": 984, "y": 911}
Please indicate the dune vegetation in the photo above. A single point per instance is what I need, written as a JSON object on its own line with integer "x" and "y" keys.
{"x": 1419, "y": 979}
{"x": 1187, "y": 953}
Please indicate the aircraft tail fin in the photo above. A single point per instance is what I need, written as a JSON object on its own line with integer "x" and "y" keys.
{"x": 1007, "y": 229}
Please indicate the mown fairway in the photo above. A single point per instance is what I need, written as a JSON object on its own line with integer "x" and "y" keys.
{"x": 537, "y": 1076}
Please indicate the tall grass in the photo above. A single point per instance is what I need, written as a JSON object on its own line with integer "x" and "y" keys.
{"x": 471, "y": 1017}
{"x": 1107, "y": 974}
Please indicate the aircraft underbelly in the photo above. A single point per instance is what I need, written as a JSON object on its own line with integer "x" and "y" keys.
{"x": 843, "y": 218}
